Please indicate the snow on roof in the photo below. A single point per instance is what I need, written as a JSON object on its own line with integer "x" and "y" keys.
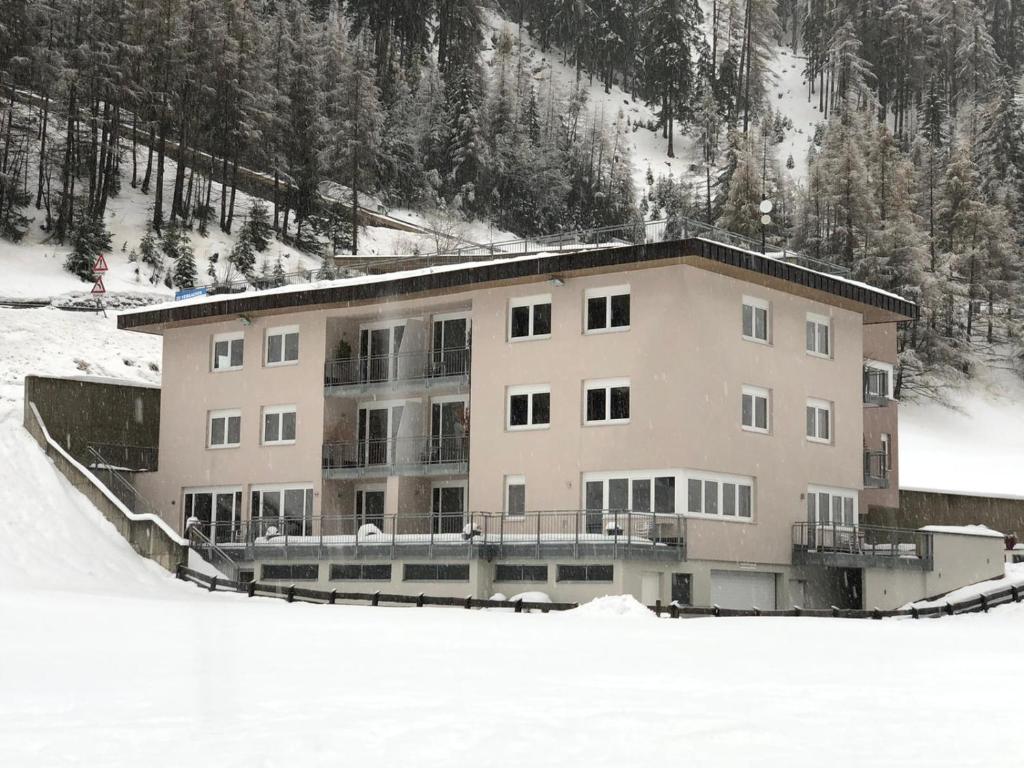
{"x": 977, "y": 494}
{"x": 108, "y": 380}
{"x": 964, "y": 530}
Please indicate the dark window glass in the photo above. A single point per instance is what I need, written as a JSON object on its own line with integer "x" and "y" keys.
{"x": 291, "y": 346}
{"x": 298, "y": 572}
{"x": 597, "y": 313}
{"x": 288, "y": 426}
{"x": 518, "y": 410}
{"x": 664, "y": 495}
{"x": 541, "y": 319}
{"x": 520, "y": 322}
{"x": 234, "y": 429}
{"x": 236, "y": 352}
{"x": 273, "y": 349}
{"x": 542, "y": 408}
{"x": 729, "y": 499}
{"x": 641, "y": 495}
{"x": 682, "y": 588}
{"x": 620, "y": 402}
{"x": 356, "y": 572}
{"x": 748, "y": 320}
{"x": 595, "y": 405}
{"x": 745, "y": 501}
{"x": 436, "y": 572}
{"x": 748, "y": 410}
{"x": 761, "y": 323}
{"x": 620, "y": 310}
{"x": 509, "y": 572}
{"x": 217, "y": 431}
{"x": 516, "y": 499}
{"x": 710, "y": 497}
{"x": 693, "y": 494}
{"x": 271, "y": 424}
{"x": 220, "y": 353}
{"x": 761, "y": 412}
{"x": 585, "y": 572}
{"x": 811, "y": 431}
{"x": 618, "y": 494}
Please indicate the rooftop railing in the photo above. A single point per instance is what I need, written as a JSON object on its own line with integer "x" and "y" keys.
{"x": 872, "y": 541}
{"x": 572, "y": 532}
{"x": 405, "y": 452}
{"x": 404, "y": 366}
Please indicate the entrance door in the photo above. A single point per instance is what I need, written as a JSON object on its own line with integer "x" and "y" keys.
{"x": 218, "y": 512}
{"x": 370, "y": 507}
{"x": 449, "y": 507}
{"x": 378, "y": 353}
{"x": 448, "y": 431}
{"x": 451, "y": 338}
{"x": 378, "y": 427}
{"x": 595, "y": 505}
{"x": 650, "y": 587}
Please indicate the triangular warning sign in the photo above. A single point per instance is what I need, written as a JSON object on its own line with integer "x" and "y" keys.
{"x": 98, "y": 287}
{"x": 100, "y": 265}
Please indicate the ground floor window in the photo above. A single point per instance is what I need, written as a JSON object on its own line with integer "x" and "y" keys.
{"x": 831, "y": 506}
{"x": 515, "y": 572}
{"x": 436, "y": 572}
{"x": 291, "y": 572}
{"x": 217, "y": 512}
{"x": 725, "y": 496}
{"x": 585, "y": 572}
{"x": 283, "y": 510}
{"x": 361, "y": 572}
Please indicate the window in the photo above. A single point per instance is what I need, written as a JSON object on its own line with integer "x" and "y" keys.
{"x": 606, "y": 401}
{"x": 216, "y": 511}
{"x": 529, "y": 407}
{"x": 682, "y": 588}
{"x": 831, "y": 506}
{"x": 755, "y": 319}
{"x": 607, "y": 309}
{"x": 228, "y": 351}
{"x": 279, "y": 425}
{"x": 754, "y": 416}
{"x": 283, "y": 510}
{"x": 283, "y": 345}
{"x": 720, "y": 495}
{"x": 225, "y": 429}
{"x": 515, "y": 495}
{"x": 297, "y": 572}
{"x": 436, "y": 572}
{"x": 585, "y": 572}
{"x": 361, "y": 572}
{"x": 529, "y": 318}
{"x": 878, "y": 381}
{"x": 819, "y": 335}
{"x": 509, "y": 572}
{"x": 819, "y": 421}
{"x": 887, "y": 449}
{"x": 628, "y": 491}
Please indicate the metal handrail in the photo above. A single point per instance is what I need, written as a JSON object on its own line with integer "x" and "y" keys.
{"x": 397, "y": 451}
{"x": 873, "y": 540}
{"x": 132, "y": 458}
{"x": 211, "y": 551}
{"x": 400, "y": 366}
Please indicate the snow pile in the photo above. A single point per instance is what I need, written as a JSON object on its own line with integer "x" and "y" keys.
{"x": 1014, "y": 577}
{"x": 616, "y": 606}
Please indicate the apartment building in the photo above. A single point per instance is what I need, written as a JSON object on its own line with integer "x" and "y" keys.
{"x": 681, "y": 421}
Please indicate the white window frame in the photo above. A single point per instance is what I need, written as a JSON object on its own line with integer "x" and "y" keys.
{"x": 820, "y": 405}
{"x": 722, "y": 480}
{"x": 607, "y": 385}
{"x": 226, "y": 414}
{"x": 886, "y": 441}
{"x": 269, "y": 410}
{"x": 630, "y": 475}
{"x": 890, "y": 370}
{"x": 820, "y": 320}
{"x": 283, "y": 331}
{"x": 754, "y": 393}
{"x": 228, "y": 337}
{"x": 832, "y": 492}
{"x": 281, "y": 488}
{"x": 530, "y": 390}
{"x": 755, "y": 304}
{"x": 606, "y": 293}
{"x": 531, "y": 302}
{"x": 215, "y": 490}
{"x": 513, "y": 480}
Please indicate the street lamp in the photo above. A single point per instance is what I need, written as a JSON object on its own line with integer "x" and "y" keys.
{"x": 766, "y": 220}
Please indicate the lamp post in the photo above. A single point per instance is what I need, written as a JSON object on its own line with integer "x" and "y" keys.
{"x": 766, "y": 220}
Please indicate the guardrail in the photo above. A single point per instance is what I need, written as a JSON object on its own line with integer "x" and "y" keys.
{"x": 866, "y": 540}
{"x": 404, "y": 452}
{"x": 128, "y": 458}
{"x": 404, "y": 366}
{"x": 291, "y": 593}
{"x": 568, "y": 532}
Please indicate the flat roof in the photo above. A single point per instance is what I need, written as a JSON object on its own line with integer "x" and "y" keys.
{"x": 449, "y": 278}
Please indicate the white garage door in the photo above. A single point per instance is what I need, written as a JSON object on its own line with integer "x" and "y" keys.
{"x": 743, "y": 589}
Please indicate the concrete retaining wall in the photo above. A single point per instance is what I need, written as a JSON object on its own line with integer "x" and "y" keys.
{"x": 920, "y": 508}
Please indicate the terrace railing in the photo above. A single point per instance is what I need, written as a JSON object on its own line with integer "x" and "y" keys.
{"x": 863, "y": 540}
{"x": 404, "y": 366}
{"x": 572, "y": 532}
{"x": 405, "y": 452}
{"x": 126, "y": 458}
{"x": 876, "y": 470}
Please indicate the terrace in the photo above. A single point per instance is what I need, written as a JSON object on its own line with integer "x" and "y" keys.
{"x": 401, "y": 373}
{"x": 575, "y": 533}
{"x": 861, "y": 546}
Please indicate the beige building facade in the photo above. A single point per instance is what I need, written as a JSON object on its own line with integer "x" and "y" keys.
{"x": 680, "y": 421}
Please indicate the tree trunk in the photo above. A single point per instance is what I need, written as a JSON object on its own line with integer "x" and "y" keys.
{"x": 234, "y": 186}
{"x": 149, "y": 161}
{"x": 42, "y": 147}
{"x": 135, "y": 147}
{"x": 158, "y": 197}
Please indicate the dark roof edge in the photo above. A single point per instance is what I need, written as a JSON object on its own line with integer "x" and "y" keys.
{"x": 520, "y": 268}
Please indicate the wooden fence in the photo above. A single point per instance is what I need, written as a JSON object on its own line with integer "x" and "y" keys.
{"x": 291, "y": 593}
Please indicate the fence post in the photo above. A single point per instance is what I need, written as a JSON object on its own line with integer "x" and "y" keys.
{"x": 419, "y": 600}
{"x": 914, "y": 612}
{"x": 835, "y": 612}
{"x": 949, "y": 609}
{"x": 716, "y": 611}
{"x": 657, "y": 608}
{"x": 469, "y": 602}
{"x": 375, "y": 600}
{"x": 290, "y": 597}
{"x": 519, "y": 605}
{"x": 673, "y": 611}
{"x": 1015, "y": 593}
{"x": 538, "y": 534}
{"x": 251, "y": 591}
{"x": 213, "y": 584}
{"x": 876, "y": 614}
{"x": 984, "y": 603}
{"x": 333, "y": 598}
{"x": 179, "y": 573}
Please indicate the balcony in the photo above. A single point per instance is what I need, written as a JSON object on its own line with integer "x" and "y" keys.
{"x": 405, "y": 372}
{"x": 574, "y": 533}
{"x": 876, "y": 388}
{"x": 861, "y": 546}
{"x": 876, "y": 469}
{"x": 418, "y": 456}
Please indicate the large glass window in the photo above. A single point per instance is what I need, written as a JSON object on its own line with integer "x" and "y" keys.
{"x": 720, "y": 495}
{"x": 607, "y": 309}
{"x": 283, "y": 345}
{"x": 228, "y": 349}
{"x": 283, "y": 509}
{"x": 529, "y": 318}
{"x": 217, "y": 512}
{"x": 224, "y": 429}
{"x": 831, "y": 506}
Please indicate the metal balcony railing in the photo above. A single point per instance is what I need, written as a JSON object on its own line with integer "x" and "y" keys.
{"x": 423, "y": 451}
{"x": 863, "y": 540}
{"x": 405, "y": 366}
{"x": 876, "y": 387}
{"x": 876, "y": 469}
{"x": 572, "y": 532}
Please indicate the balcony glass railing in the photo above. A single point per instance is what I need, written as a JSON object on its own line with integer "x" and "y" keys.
{"x": 405, "y": 366}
